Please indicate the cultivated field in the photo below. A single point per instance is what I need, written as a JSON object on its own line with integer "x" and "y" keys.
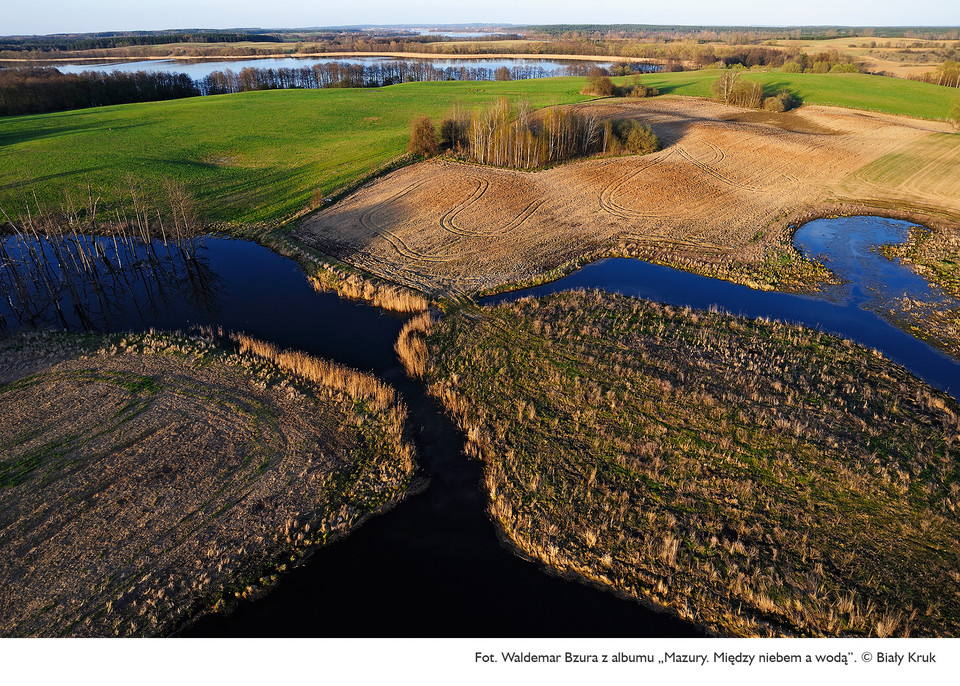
{"x": 145, "y": 479}
{"x": 717, "y": 199}
{"x": 754, "y": 477}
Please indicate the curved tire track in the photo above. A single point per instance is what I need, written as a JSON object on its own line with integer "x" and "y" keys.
{"x": 606, "y": 195}
{"x": 368, "y": 221}
{"x": 715, "y": 174}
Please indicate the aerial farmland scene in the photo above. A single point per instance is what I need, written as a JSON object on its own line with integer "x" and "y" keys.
{"x": 567, "y": 327}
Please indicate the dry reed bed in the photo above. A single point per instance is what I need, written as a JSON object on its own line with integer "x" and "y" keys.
{"x": 754, "y": 477}
{"x": 148, "y": 478}
{"x": 719, "y": 199}
{"x": 328, "y": 275}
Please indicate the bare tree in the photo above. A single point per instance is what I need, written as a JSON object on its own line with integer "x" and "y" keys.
{"x": 423, "y": 137}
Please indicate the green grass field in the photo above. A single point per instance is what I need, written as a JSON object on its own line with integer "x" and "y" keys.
{"x": 858, "y": 91}
{"x": 249, "y": 157}
{"x": 262, "y": 156}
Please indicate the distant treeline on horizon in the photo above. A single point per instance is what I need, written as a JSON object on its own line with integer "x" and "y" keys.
{"x": 70, "y": 42}
{"x": 60, "y": 43}
{"x": 125, "y": 39}
{"x": 35, "y": 90}
{"x": 761, "y": 32}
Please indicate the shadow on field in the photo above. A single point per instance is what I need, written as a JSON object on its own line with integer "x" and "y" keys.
{"x": 35, "y": 181}
{"x": 33, "y": 134}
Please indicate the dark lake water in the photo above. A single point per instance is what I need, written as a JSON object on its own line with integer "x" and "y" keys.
{"x": 235, "y": 284}
{"x": 198, "y": 69}
{"x": 433, "y": 567}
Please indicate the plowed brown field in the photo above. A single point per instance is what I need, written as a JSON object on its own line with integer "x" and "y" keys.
{"x": 722, "y": 191}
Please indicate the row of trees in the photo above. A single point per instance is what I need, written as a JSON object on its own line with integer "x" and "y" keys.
{"x": 354, "y": 75}
{"x": 37, "y": 90}
{"x": 516, "y": 136}
{"x": 947, "y": 74}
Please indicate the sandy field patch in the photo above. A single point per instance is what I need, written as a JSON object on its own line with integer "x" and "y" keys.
{"x": 718, "y": 198}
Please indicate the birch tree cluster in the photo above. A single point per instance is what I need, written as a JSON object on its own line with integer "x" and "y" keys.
{"x": 516, "y": 136}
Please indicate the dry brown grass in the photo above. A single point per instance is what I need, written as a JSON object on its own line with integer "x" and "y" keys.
{"x": 145, "y": 479}
{"x": 357, "y": 287}
{"x": 754, "y": 477}
{"x": 411, "y": 345}
{"x": 718, "y": 199}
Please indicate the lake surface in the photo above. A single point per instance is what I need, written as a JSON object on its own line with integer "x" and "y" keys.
{"x": 198, "y": 69}
{"x": 847, "y": 246}
{"x": 464, "y": 34}
{"x": 433, "y": 567}
{"x": 231, "y": 283}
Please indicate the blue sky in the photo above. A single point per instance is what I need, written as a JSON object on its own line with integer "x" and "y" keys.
{"x": 65, "y": 16}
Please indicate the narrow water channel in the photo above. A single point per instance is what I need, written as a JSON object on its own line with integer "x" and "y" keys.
{"x": 433, "y": 566}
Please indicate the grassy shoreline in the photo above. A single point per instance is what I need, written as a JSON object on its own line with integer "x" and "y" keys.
{"x": 707, "y": 464}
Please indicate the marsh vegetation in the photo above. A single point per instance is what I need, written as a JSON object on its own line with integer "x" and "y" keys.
{"x": 754, "y": 477}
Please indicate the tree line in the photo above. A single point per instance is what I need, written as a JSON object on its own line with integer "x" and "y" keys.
{"x": 106, "y": 41}
{"x": 517, "y": 136}
{"x": 354, "y": 75}
{"x": 44, "y": 89}
{"x": 947, "y": 74}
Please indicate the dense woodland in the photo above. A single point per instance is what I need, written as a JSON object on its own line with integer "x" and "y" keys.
{"x": 59, "y": 43}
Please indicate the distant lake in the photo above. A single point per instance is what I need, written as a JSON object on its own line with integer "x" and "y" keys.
{"x": 463, "y": 34}
{"x": 198, "y": 69}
